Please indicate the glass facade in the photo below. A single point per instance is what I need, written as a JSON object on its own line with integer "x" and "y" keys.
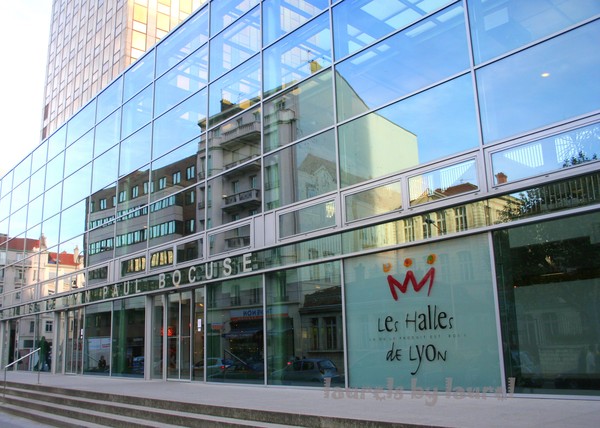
{"x": 297, "y": 193}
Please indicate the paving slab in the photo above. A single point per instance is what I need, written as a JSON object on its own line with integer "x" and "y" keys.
{"x": 426, "y": 408}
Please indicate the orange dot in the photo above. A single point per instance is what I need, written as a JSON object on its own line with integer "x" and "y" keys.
{"x": 408, "y": 262}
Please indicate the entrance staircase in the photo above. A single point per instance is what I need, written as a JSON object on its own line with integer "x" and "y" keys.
{"x": 64, "y": 407}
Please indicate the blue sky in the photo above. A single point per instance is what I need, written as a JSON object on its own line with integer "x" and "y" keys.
{"x": 24, "y": 46}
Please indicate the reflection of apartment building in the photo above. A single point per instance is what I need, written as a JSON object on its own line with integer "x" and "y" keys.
{"x": 143, "y": 207}
{"x": 24, "y": 264}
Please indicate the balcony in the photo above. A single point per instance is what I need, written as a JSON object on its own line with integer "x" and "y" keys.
{"x": 237, "y": 242}
{"x": 243, "y": 200}
{"x": 246, "y": 134}
{"x": 250, "y": 166}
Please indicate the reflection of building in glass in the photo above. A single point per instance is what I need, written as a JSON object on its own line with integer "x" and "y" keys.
{"x": 90, "y": 46}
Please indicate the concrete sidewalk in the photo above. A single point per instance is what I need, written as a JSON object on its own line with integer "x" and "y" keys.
{"x": 420, "y": 408}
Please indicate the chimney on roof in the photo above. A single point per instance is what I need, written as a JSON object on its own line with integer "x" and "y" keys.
{"x": 43, "y": 245}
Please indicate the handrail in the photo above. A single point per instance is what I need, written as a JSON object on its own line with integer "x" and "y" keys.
{"x": 15, "y": 362}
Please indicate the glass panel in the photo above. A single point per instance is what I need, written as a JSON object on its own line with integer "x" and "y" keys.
{"x": 97, "y": 339}
{"x": 302, "y": 171}
{"x": 20, "y": 195}
{"x": 443, "y": 183}
{"x": 101, "y": 240}
{"x": 366, "y": 143}
{"x": 139, "y": 75}
{"x": 82, "y": 122}
{"x": 158, "y": 327}
{"x": 52, "y": 199}
{"x": 162, "y": 258}
{"x": 38, "y": 157}
{"x": 499, "y": 27}
{"x": 183, "y": 41}
{"x": 305, "y": 326}
{"x": 358, "y": 23}
{"x": 564, "y": 150}
{"x": 235, "y": 149}
{"x": 77, "y": 187}
{"x": 421, "y": 55}
{"x": 230, "y": 240}
{"x": 548, "y": 291}
{"x": 308, "y": 219}
{"x": 108, "y": 133}
{"x": 34, "y": 215}
{"x": 375, "y": 201}
{"x": 135, "y": 151}
{"x": 169, "y": 172}
{"x": 198, "y": 328}
{"x": 167, "y": 219}
{"x": 109, "y": 99}
{"x": 128, "y": 337}
{"x": 298, "y": 55}
{"x": 299, "y": 112}
{"x": 187, "y": 78}
{"x": 18, "y": 222}
{"x": 225, "y": 12}
{"x": 36, "y": 186}
{"x": 179, "y": 125}
{"x": 22, "y": 171}
{"x": 189, "y": 251}
{"x": 98, "y": 275}
{"x": 406, "y": 322}
{"x": 131, "y": 235}
{"x": 105, "y": 169}
{"x": 234, "y": 320}
{"x": 282, "y": 16}
{"x": 73, "y": 222}
{"x": 520, "y": 93}
{"x": 79, "y": 153}
{"x": 54, "y": 170}
{"x": 235, "y": 45}
{"x": 137, "y": 112}
{"x": 236, "y": 91}
{"x": 235, "y": 142}
{"x": 56, "y": 142}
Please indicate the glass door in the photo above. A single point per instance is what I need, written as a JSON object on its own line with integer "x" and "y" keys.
{"x": 179, "y": 318}
{"x": 74, "y": 351}
{"x": 198, "y": 329}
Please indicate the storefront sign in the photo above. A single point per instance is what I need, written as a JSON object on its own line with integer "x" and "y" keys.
{"x": 427, "y": 312}
{"x": 221, "y": 269}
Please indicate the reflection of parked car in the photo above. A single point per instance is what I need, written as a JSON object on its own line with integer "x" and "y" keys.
{"x": 138, "y": 365}
{"x": 309, "y": 370}
{"x": 240, "y": 370}
{"x": 214, "y": 365}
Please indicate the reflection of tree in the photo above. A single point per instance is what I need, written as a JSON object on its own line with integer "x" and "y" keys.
{"x": 552, "y": 197}
{"x": 581, "y": 158}
{"x": 577, "y": 148}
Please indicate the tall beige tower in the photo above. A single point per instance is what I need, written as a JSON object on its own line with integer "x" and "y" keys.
{"x": 93, "y": 41}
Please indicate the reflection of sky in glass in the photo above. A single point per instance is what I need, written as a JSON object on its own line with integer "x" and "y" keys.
{"x": 235, "y": 45}
{"x": 421, "y": 55}
{"x": 298, "y": 55}
{"x": 442, "y": 118}
{"x": 546, "y": 155}
{"x": 283, "y": 16}
{"x": 444, "y": 182}
{"x": 357, "y": 23}
{"x": 550, "y": 82}
{"x": 500, "y": 27}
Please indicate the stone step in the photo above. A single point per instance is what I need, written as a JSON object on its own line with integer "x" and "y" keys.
{"x": 101, "y": 412}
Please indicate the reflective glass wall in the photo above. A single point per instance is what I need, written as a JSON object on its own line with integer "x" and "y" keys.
{"x": 259, "y": 123}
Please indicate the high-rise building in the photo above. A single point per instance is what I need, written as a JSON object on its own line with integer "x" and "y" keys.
{"x": 93, "y": 41}
{"x": 291, "y": 192}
